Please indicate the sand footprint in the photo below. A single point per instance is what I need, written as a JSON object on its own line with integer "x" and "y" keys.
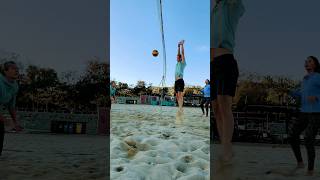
{"x": 131, "y": 150}
{"x": 152, "y": 153}
{"x": 195, "y": 177}
{"x": 181, "y": 167}
{"x": 187, "y": 158}
{"x": 160, "y": 172}
{"x": 184, "y": 148}
{"x": 205, "y": 149}
{"x": 193, "y": 148}
{"x": 151, "y": 141}
{"x": 118, "y": 169}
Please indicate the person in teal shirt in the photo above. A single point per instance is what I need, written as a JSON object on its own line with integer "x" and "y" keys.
{"x": 224, "y": 72}
{"x": 309, "y": 120}
{"x": 113, "y": 91}
{"x": 8, "y": 93}
{"x": 179, "y": 82}
{"x": 225, "y": 18}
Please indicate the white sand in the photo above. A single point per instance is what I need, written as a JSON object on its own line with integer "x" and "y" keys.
{"x": 252, "y": 161}
{"x": 52, "y": 157}
{"x": 148, "y": 143}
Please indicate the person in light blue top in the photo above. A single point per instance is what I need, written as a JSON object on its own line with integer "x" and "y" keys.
{"x": 113, "y": 91}
{"x": 225, "y": 17}
{"x": 206, "y": 97}
{"x": 309, "y": 120}
{"x": 8, "y": 93}
{"x": 224, "y": 72}
{"x": 179, "y": 82}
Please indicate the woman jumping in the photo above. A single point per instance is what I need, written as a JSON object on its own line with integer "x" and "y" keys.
{"x": 179, "y": 82}
{"x": 309, "y": 120}
{"x": 224, "y": 68}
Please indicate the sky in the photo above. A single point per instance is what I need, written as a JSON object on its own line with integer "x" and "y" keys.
{"x": 61, "y": 34}
{"x": 275, "y": 37}
{"x": 135, "y": 32}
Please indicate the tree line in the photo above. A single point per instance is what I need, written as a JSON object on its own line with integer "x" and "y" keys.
{"x": 42, "y": 89}
{"x": 252, "y": 89}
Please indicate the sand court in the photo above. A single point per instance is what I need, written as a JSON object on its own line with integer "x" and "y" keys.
{"x": 148, "y": 143}
{"x": 45, "y": 156}
{"x": 263, "y": 162}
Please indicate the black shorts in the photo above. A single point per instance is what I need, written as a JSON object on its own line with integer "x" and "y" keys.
{"x": 224, "y": 76}
{"x": 179, "y": 85}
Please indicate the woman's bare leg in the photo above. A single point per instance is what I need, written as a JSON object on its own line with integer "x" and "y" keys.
{"x": 225, "y": 108}
{"x": 218, "y": 118}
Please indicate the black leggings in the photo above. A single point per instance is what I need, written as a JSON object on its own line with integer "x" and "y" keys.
{"x": 310, "y": 122}
{"x": 1, "y": 136}
{"x": 205, "y": 101}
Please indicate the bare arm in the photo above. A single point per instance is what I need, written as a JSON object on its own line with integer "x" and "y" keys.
{"x": 232, "y": 1}
{"x": 13, "y": 114}
{"x": 182, "y": 54}
{"x": 235, "y": 6}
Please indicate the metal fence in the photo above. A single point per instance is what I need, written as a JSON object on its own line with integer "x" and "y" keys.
{"x": 263, "y": 124}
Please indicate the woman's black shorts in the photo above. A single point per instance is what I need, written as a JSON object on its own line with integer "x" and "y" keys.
{"x": 224, "y": 76}
{"x": 179, "y": 85}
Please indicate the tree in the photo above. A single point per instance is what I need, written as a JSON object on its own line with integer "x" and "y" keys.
{"x": 68, "y": 77}
{"x": 267, "y": 89}
{"x": 149, "y": 89}
{"x": 140, "y": 88}
{"x": 93, "y": 84}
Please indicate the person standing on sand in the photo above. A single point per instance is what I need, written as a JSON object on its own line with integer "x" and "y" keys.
{"x": 224, "y": 74}
{"x": 310, "y": 114}
{"x": 206, "y": 97}
{"x": 113, "y": 91}
{"x": 179, "y": 82}
{"x": 8, "y": 93}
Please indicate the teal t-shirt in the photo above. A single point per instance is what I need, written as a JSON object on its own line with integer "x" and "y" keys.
{"x": 224, "y": 21}
{"x": 180, "y": 69}
{"x": 8, "y": 92}
{"x": 112, "y": 91}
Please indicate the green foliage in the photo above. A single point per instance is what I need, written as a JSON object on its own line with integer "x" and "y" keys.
{"x": 267, "y": 90}
{"x": 40, "y": 88}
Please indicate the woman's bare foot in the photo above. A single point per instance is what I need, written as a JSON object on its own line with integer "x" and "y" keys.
{"x": 224, "y": 161}
{"x": 18, "y": 128}
{"x": 226, "y": 158}
{"x": 310, "y": 173}
{"x": 300, "y": 165}
{"x": 227, "y": 152}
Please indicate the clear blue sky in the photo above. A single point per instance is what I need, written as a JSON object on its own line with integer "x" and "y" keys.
{"x": 135, "y": 32}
